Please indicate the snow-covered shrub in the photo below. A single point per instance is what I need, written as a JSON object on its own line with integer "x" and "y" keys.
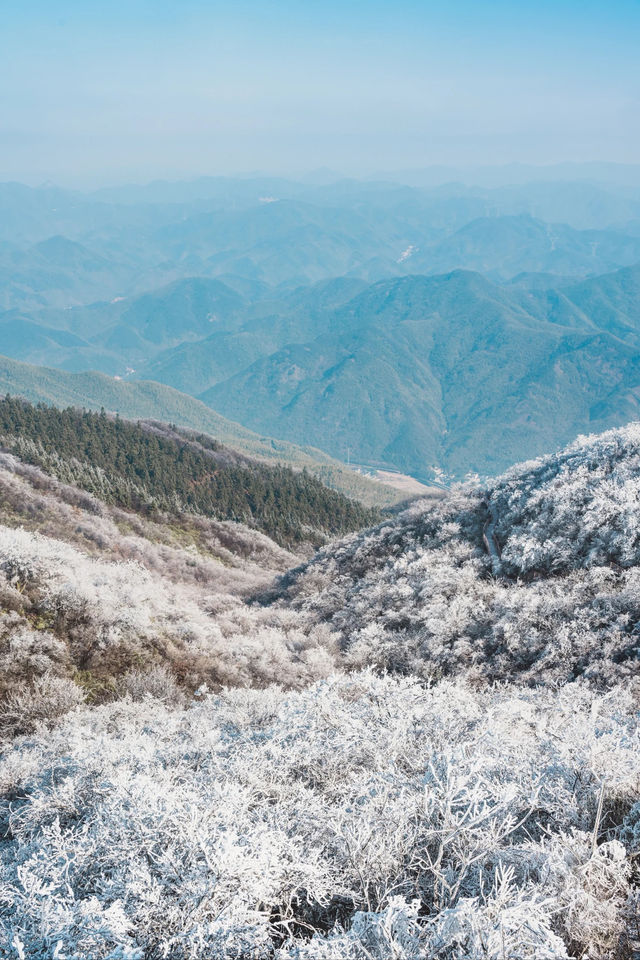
{"x": 360, "y": 817}
{"x": 43, "y": 700}
{"x": 589, "y": 885}
{"x": 535, "y": 575}
{"x": 155, "y": 681}
{"x": 505, "y": 924}
{"x": 26, "y": 653}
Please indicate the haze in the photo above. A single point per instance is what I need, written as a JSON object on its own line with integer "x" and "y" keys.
{"x": 96, "y": 93}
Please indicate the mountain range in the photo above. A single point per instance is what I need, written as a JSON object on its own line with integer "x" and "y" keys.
{"x": 142, "y": 400}
{"x": 444, "y": 329}
{"x": 454, "y": 372}
{"x": 455, "y": 368}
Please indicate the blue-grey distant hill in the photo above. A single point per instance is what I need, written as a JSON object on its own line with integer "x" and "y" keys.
{"x": 456, "y": 326}
{"x": 452, "y": 371}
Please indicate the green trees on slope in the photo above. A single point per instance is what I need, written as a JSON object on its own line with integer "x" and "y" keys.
{"x": 142, "y": 468}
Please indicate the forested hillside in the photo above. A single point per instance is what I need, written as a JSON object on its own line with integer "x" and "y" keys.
{"x": 421, "y": 743}
{"x": 143, "y": 400}
{"x": 452, "y": 372}
{"x": 149, "y": 467}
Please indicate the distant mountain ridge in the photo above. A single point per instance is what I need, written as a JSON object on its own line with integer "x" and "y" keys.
{"x": 451, "y": 372}
{"x": 421, "y": 328}
{"x": 502, "y": 247}
{"x": 454, "y": 372}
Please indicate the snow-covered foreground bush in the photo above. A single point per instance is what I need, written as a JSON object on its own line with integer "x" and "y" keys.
{"x": 363, "y": 817}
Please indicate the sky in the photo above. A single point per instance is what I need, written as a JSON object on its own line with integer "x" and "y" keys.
{"x": 95, "y": 93}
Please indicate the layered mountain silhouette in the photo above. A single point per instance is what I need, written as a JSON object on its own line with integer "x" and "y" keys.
{"x": 452, "y": 327}
{"x": 451, "y": 371}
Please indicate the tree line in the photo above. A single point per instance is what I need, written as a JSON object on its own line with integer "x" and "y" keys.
{"x": 149, "y": 471}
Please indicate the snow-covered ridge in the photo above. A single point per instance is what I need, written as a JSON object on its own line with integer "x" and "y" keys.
{"x": 422, "y": 593}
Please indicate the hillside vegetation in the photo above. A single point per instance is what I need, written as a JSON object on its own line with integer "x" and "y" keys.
{"x": 534, "y": 577}
{"x": 452, "y": 372}
{"x": 423, "y": 742}
{"x": 151, "y": 467}
{"x": 141, "y": 400}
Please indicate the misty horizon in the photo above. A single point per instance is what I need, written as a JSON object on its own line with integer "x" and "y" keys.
{"x": 429, "y": 177}
{"x": 152, "y": 90}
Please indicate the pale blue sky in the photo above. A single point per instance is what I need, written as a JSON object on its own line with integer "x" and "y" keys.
{"x": 95, "y": 92}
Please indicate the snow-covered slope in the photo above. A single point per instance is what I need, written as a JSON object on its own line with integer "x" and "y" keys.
{"x": 361, "y": 818}
{"x": 535, "y": 577}
{"x": 357, "y": 786}
{"x": 101, "y": 598}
